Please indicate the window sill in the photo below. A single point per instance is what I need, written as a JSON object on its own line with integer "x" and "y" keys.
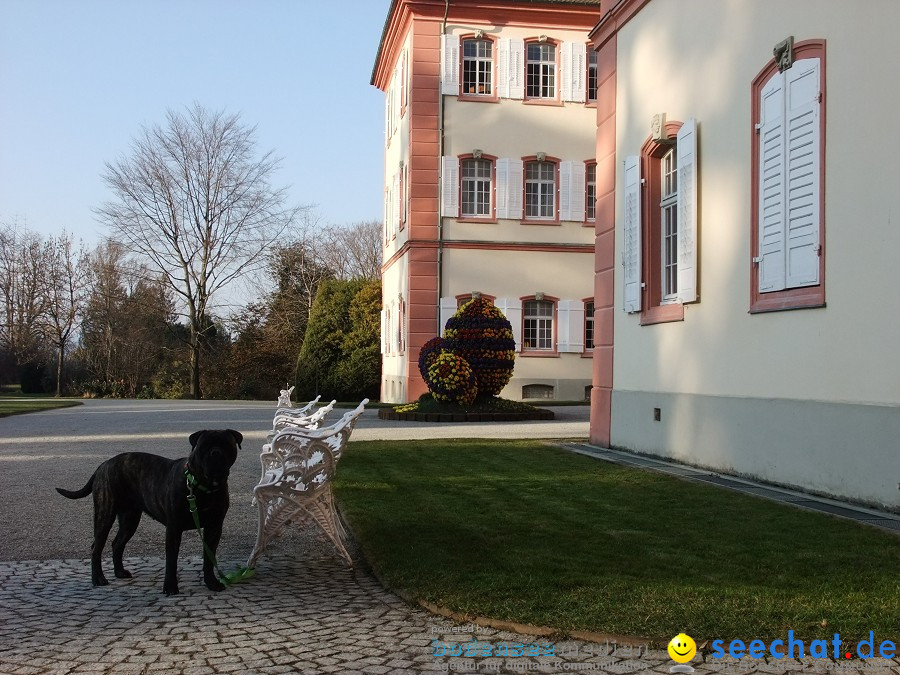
{"x": 478, "y": 98}
{"x": 662, "y": 314}
{"x": 544, "y": 101}
{"x": 475, "y": 219}
{"x": 538, "y": 221}
{"x": 810, "y": 297}
{"x": 591, "y": 222}
{"x": 537, "y": 354}
{"x": 591, "y": 104}
{"x": 587, "y": 354}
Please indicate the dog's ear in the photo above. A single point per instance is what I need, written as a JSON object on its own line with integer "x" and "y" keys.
{"x": 192, "y": 439}
{"x": 238, "y": 437}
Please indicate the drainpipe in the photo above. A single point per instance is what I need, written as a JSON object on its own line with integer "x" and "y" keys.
{"x": 440, "y": 210}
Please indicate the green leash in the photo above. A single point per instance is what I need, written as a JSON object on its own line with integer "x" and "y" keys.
{"x": 238, "y": 575}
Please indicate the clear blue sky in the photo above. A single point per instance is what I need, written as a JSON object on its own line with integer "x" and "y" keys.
{"x": 78, "y": 79}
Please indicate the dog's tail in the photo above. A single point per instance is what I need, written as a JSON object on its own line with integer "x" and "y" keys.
{"x": 78, "y": 494}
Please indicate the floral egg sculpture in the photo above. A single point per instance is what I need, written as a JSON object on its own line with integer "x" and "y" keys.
{"x": 428, "y": 353}
{"x": 451, "y": 379}
{"x": 481, "y": 334}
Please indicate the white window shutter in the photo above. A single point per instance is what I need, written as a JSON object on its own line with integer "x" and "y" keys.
{"x": 771, "y": 186}
{"x": 512, "y": 310}
{"x": 450, "y": 65}
{"x": 448, "y": 309}
{"x": 570, "y": 326}
{"x": 565, "y": 190}
{"x": 579, "y": 73}
{"x": 501, "y": 188}
{"x": 404, "y": 81}
{"x": 391, "y": 341}
{"x": 577, "y": 187}
{"x": 565, "y": 66}
{"x": 396, "y": 203}
{"x": 573, "y": 63}
{"x": 450, "y": 187}
{"x": 502, "y": 83}
{"x": 571, "y": 191}
{"x": 510, "y": 174}
{"x": 395, "y": 97}
{"x": 514, "y": 188}
{"x": 511, "y": 68}
{"x": 802, "y": 173}
{"x": 388, "y": 203}
{"x": 687, "y": 211}
{"x": 631, "y": 253}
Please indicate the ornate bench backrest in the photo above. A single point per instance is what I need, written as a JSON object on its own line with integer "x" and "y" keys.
{"x": 307, "y": 421}
{"x": 334, "y": 438}
{"x": 298, "y": 411}
{"x": 284, "y": 398}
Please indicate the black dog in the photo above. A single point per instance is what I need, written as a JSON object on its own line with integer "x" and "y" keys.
{"x": 134, "y": 483}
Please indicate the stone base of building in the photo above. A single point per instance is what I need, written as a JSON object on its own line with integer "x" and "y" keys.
{"x": 844, "y": 450}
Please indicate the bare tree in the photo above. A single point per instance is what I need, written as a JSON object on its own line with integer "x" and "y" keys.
{"x": 195, "y": 201}
{"x": 66, "y": 278}
{"x": 127, "y": 320}
{"x": 22, "y": 292}
{"x": 352, "y": 251}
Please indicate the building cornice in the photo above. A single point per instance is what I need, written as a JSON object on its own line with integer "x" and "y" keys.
{"x": 613, "y": 19}
{"x": 547, "y": 14}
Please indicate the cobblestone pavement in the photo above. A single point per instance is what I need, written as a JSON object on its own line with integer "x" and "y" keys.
{"x": 299, "y": 614}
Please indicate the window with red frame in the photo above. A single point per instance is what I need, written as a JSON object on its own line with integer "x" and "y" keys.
{"x": 540, "y": 190}
{"x": 788, "y": 175}
{"x": 476, "y": 188}
{"x": 477, "y": 71}
{"x": 540, "y": 70}
{"x": 590, "y": 183}
{"x": 537, "y": 325}
{"x": 592, "y": 83}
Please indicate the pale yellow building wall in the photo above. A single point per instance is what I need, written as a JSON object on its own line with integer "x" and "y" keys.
{"x": 516, "y": 274}
{"x": 511, "y": 128}
{"x": 807, "y": 398}
{"x": 396, "y": 152}
{"x": 395, "y": 284}
{"x": 698, "y": 59}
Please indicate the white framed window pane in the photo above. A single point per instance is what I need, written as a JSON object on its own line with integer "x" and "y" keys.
{"x": 476, "y": 188}
{"x": 669, "y": 224}
{"x": 589, "y": 326}
{"x": 477, "y": 67}
{"x": 537, "y": 329}
{"x": 540, "y": 190}
{"x": 592, "y": 75}
{"x": 540, "y": 80}
{"x": 590, "y": 177}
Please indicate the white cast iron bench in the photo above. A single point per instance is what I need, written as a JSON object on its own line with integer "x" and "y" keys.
{"x": 301, "y": 418}
{"x": 295, "y": 487}
{"x": 291, "y": 410}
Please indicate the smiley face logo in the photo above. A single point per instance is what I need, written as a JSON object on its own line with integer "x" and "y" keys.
{"x": 682, "y": 648}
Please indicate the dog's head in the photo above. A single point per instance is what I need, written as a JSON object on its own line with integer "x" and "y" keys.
{"x": 213, "y": 452}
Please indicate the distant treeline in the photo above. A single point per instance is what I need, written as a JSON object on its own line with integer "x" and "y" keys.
{"x": 98, "y": 323}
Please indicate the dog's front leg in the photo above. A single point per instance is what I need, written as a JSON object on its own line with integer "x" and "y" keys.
{"x": 211, "y": 536}
{"x": 173, "y": 545}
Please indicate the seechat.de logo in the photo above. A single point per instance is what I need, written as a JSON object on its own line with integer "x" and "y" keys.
{"x": 682, "y": 649}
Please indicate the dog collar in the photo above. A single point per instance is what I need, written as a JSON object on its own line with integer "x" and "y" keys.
{"x": 192, "y": 481}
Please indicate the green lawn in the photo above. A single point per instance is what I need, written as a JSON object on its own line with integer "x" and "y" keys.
{"x": 21, "y": 406}
{"x": 521, "y": 531}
